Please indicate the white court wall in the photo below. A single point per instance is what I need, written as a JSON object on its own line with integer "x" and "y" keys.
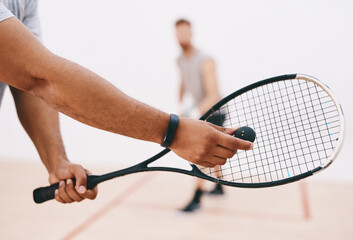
{"x": 132, "y": 44}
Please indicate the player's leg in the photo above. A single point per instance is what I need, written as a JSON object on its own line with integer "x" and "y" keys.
{"x": 218, "y": 189}
{"x": 217, "y": 119}
{"x": 195, "y": 202}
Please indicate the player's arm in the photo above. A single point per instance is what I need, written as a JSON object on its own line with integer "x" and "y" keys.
{"x": 181, "y": 94}
{"x": 42, "y": 125}
{"x": 181, "y": 90}
{"x": 181, "y": 85}
{"x": 180, "y": 99}
{"x": 72, "y": 89}
{"x": 210, "y": 84}
{"x": 83, "y": 95}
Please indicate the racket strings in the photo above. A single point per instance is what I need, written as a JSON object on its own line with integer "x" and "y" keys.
{"x": 333, "y": 106}
{"x": 296, "y": 123}
{"x": 305, "y": 125}
{"x": 286, "y": 108}
{"x": 268, "y": 165}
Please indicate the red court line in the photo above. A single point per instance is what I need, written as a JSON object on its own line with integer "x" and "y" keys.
{"x": 112, "y": 204}
{"x": 305, "y": 200}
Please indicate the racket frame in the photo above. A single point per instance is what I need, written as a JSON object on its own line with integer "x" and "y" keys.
{"x": 342, "y": 135}
{"x": 195, "y": 171}
{"x": 92, "y": 180}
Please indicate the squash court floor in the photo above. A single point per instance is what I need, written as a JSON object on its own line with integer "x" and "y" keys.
{"x": 144, "y": 206}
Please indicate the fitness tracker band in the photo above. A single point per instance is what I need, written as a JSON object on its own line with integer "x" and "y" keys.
{"x": 170, "y": 133}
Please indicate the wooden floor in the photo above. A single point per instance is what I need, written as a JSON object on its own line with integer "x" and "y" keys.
{"x": 144, "y": 206}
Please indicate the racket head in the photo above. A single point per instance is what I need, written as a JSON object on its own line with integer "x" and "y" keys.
{"x": 299, "y": 125}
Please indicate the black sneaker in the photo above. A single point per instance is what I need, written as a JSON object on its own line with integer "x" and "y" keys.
{"x": 217, "y": 191}
{"x": 191, "y": 207}
{"x": 195, "y": 202}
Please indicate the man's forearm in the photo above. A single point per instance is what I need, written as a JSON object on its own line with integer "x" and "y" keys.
{"x": 110, "y": 109}
{"x": 73, "y": 89}
{"x": 210, "y": 85}
{"x": 42, "y": 125}
{"x": 181, "y": 91}
{"x": 207, "y": 103}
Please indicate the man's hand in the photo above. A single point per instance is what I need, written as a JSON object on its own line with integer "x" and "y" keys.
{"x": 206, "y": 144}
{"x": 67, "y": 192}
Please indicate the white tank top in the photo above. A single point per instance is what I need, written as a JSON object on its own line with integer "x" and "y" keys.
{"x": 190, "y": 68}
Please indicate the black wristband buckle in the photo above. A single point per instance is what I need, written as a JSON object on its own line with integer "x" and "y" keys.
{"x": 171, "y": 130}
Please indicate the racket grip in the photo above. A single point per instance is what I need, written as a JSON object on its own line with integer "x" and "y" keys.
{"x": 44, "y": 194}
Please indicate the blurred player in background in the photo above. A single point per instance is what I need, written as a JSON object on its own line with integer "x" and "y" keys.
{"x": 199, "y": 83}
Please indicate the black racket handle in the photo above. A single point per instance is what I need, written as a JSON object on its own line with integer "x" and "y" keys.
{"x": 44, "y": 194}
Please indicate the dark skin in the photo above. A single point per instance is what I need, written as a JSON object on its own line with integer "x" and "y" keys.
{"x": 41, "y": 123}
{"x": 25, "y": 64}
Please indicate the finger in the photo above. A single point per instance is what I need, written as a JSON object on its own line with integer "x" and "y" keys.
{"x": 81, "y": 178}
{"x": 229, "y": 131}
{"x": 223, "y": 152}
{"x": 91, "y": 194}
{"x": 218, "y": 160}
{"x": 231, "y": 142}
{"x": 70, "y": 190}
{"x": 57, "y": 197}
{"x": 62, "y": 193}
{"x": 206, "y": 164}
{"x": 243, "y": 144}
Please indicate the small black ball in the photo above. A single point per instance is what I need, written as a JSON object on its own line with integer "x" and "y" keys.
{"x": 245, "y": 133}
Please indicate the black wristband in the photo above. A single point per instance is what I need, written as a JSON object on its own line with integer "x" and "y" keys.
{"x": 170, "y": 133}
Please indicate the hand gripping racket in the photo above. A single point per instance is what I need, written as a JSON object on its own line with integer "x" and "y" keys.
{"x": 299, "y": 127}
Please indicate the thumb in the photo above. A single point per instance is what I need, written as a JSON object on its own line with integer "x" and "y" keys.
{"x": 81, "y": 178}
{"x": 53, "y": 179}
{"x": 229, "y": 131}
